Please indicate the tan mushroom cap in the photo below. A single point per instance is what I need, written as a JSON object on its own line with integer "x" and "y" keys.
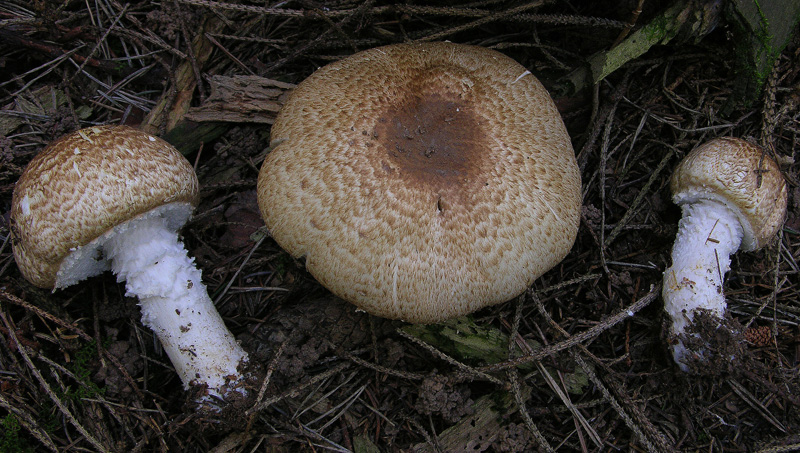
{"x": 85, "y": 183}
{"x": 422, "y": 181}
{"x": 740, "y": 175}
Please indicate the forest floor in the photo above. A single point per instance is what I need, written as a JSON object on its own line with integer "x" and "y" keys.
{"x": 589, "y": 367}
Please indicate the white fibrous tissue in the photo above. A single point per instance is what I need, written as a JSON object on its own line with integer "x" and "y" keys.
{"x": 708, "y": 234}
{"x": 147, "y": 255}
{"x": 152, "y": 262}
{"x": 91, "y": 259}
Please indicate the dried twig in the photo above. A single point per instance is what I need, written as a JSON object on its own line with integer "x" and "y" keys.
{"x": 598, "y": 329}
{"x": 62, "y": 407}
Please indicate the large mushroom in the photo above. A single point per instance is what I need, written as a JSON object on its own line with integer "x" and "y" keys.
{"x": 732, "y": 197}
{"x": 113, "y": 197}
{"x": 422, "y": 181}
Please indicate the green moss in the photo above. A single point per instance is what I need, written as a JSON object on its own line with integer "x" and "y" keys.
{"x": 81, "y": 368}
{"x": 660, "y": 30}
{"x": 463, "y": 339}
{"x": 762, "y": 30}
{"x": 10, "y": 439}
{"x": 282, "y": 264}
{"x": 767, "y": 52}
{"x": 48, "y": 414}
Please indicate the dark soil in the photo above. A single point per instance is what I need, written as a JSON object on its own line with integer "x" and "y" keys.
{"x": 588, "y": 369}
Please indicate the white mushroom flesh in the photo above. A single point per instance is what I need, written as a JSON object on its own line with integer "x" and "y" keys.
{"x": 147, "y": 255}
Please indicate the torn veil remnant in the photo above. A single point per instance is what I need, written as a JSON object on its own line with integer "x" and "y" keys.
{"x": 422, "y": 181}
{"x": 113, "y": 197}
{"x": 732, "y": 196}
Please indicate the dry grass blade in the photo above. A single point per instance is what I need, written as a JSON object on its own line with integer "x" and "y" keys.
{"x": 580, "y": 420}
{"x": 595, "y": 331}
{"x": 482, "y": 21}
{"x": 541, "y": 441}
{"x": 62, "y": 407}
{"x": 748, "y": 397}
{"x": 795, "y": 446}
{"x": 28, "y": 420}
{"x": 72, "y": 328}
{"x": 282, "y": 12}
{"x": 382, "y": 369}
{"x": 473, "y": 372}
{"x": 265, "y": 382}
{"x": 296, "y": 390}
{"x": 620, "y": 410}
{"x": 100, "y": 42}
{"x": 46, "y": 69}
{"x": 335, "y": 413}
{"x": 239, "y": 270}
{"x": 655, "y": 176}
{"x": 634, "y": 425}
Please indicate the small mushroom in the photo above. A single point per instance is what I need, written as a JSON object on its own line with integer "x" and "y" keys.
{"x": 112, "y": 197}
{"x": 732, "y": 196}
{"x": 422, "y": 181}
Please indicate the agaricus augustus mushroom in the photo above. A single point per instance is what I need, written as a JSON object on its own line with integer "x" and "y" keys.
{"x": 422, "y": 181}
{"x": 113, "y": 197}
{"x": 732, "y": 196}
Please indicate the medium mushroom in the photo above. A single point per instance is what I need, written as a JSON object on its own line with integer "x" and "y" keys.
{"x": 422, "y": 181}
{"x": 113, "y": 197}
{"x": 732, "y": 196}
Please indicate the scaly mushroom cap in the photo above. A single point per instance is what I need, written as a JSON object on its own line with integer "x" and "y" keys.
{"x": 422, "y": 181}
{"x": 82, "y": 185}
{"x": 740, "y": 175}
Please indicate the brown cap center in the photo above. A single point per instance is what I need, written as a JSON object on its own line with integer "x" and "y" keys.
{"x": 432, "y": 134}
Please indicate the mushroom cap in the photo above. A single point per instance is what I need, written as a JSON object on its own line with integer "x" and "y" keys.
{"x": 740, "y": 175}
{"x": 422, "y": 181}
{"x": 82, "y": 185}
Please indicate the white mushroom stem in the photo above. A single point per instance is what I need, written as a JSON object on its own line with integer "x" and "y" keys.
{"x": 149, "y": 257}
{"x": 708, "y": 234}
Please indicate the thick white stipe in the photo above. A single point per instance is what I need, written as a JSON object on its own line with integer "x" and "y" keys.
{"x": 148, "y": 256}
{"x": 708, "y": 234}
